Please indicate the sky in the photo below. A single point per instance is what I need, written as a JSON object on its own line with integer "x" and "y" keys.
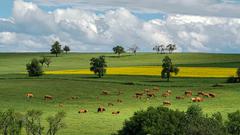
{"x": 97, "y": 26}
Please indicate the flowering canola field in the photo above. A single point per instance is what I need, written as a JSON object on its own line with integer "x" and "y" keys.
{"x": 156, "y": 70}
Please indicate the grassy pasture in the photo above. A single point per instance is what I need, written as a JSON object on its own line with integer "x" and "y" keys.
{"x": 14, "y": 86}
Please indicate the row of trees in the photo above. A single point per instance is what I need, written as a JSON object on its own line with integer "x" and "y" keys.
{"x": 165, "y": 49}
{"x": 164, "y": 121}
{"x": 12, "y": 123}
{"x": 35, "y": 67}
{"x": 57, "y": 48}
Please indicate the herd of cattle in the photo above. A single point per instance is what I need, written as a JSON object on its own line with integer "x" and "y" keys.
{"x": 147, "y": 94}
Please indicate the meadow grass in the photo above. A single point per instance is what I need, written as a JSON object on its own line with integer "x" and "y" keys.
{"x": 13, "y": 88}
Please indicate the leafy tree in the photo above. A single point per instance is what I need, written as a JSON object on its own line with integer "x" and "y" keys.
{"x": 66, "y": 49}
{"x": 159, "y": 48}
{"x": 42, "y": 60}
{"x": 238, "y": 72}
{"x": 171, "y": 48}
{"x": 168, "y": 68}
{"x": 56, "y": 48}
{"x": 233, "y": 123}
{"x": 48, "y": 61}
{"x": 33, "y": 123}
{"x": 98, "y": 66}
{"x": 134, "y": 49}
{"x": 34, "y": 68}
{"x": 55, "y": 123}
{"x": 118, "y": 50}
{"x": 11, "y": 123}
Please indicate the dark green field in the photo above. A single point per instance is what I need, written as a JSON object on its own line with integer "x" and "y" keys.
{"x": 14, "y": 86}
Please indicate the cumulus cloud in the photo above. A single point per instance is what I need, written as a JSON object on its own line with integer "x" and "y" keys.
{"x": 33, "y": 29}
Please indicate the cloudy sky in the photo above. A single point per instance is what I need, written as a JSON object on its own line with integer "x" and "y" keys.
{"x": 98, "y": 25}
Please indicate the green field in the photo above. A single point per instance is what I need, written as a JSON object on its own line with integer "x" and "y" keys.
{"x": 15, "y": 85}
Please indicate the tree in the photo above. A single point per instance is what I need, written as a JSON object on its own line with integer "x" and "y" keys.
{"x": 56, "y": 48}
{"x": 238, "y": 72}
{"x": 55, "y": 123}
{"x": 43, "y": 60}
{"x": 168, "y": 68}
{"x": 118, "y": 50}
{"x": 33, "y": 122}
{"x": 66, "y": 49}
{"x": 48, "y": 61}
{"x": 159, "y": 48}
{"x": 233, "y": 123}
{"x": 134, "y": 49}
{"x": 34, "y": 68}
{"x": 98, "y": 66}
{"x": 171, "y": 48}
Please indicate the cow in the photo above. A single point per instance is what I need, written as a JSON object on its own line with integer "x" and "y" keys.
{"x": 119, "y": 101}
{"x": 213, "y": 95}
{"x": 149, "y": 95}
{"x": 197, "y": 99}
{"x": 179, "y": 97}
{"x": 29, "y": 95}
{"x": 74, "y": 97}
{"x": 165, "y": 94}
{"x": 188, "y": 93}
{"x": 82, "y": 111}
{"x": 166, "y": 103}
{"x": 110, "y": 104}
{"x": 105, "y": 93}
{"x": 48, "y": 97}
{"x": 101, "y": 109}
{"x": 116, "y": 112}
{"x": 139, "y": 95}
{"x": 156, "y": 89}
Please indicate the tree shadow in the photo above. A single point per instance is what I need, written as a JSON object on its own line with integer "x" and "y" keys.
{"x": 115, "y": 56}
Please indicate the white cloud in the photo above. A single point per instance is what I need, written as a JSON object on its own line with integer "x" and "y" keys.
{"x": 32, "y": 29}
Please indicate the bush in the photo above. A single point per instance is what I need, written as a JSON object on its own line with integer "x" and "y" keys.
{"x": 233, "y": 123}
{"x": 34, "y": 68}
{"x": 163, "y": 121}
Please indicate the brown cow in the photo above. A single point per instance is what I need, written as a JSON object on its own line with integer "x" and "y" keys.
{"x": 169, "y": 91}
{"x": 116, "y": 112}
{"x": 179, "y": 97}
{"x": 82, "y": 111}
{"x": 105, "y": 93}
{"x": 101, "y": 109}
{"x": 213, "y": 95}
{"x": 29, "y": 95}
{"x": 166, "y": 103}
{"x": 48, "y": 97}
{"x": 110, "y": 104}
{"x": 74, "y": 97}
{"x": 149, "y": 95}
{"x": 197, "y": 99}
{"x": 139, "y": 95}
{"x": 188, "y": 93}
{"x": 119, "y": 101}
{"x": 165, "y": 94}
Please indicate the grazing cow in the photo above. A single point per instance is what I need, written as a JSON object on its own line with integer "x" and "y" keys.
{"x": 119, "y": 101}
{"x": 61, "y": 105}
{"x": 169, "y": 91}
{"x": 165, "y": 94}
{"x": 200, "y": 93}
{"x": 29, "y": 95}
{"x": 146, "y": 91}
{"x": 179, "y": 97}
{"x": 116, "y": 112}
{"x": 213, "y": 95}
{"x": 48, "y": 97}
{"x": 197, "y": 99}
{"x": 101, "y": 109}
{"x": 82, "y": 111}
{"x": 149, "y": 95}
{"x": 166, "y": 103}
{"x": 139, "y": 95}
{"x": 188, "y": 93}
{"x": 74, "y": 97}
{"x": 105, "y": 93}
{"x": 110, "y": 104}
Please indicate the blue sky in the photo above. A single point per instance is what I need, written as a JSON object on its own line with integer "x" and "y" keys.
{"x": 93, "y": 26}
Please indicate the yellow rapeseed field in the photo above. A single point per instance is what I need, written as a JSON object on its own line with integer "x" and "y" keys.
{"x": 156, "y": 70}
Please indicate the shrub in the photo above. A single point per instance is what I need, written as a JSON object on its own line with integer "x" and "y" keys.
{"x": 232, "y": 79}
{"x": 163, "y": 121}
{"x": 55, "y": 123}
{"x": 34, "y": 68}
{"x": 33, "y": 122}
{"x": 233, "y": 123}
